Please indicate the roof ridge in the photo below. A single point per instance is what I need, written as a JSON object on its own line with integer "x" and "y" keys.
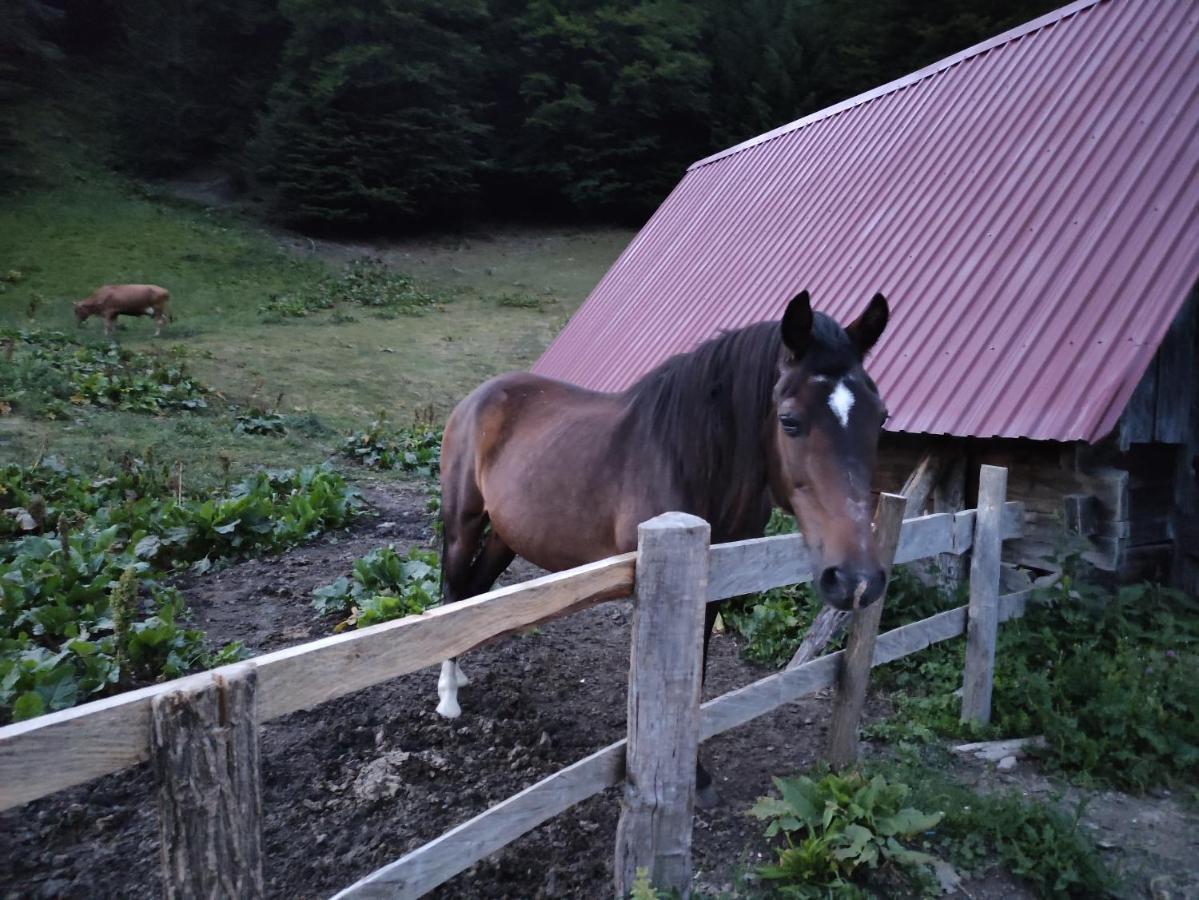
{"x": 908, "y": 80}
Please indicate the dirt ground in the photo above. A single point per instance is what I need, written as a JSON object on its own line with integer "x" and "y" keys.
{"x": 357, "y": 782}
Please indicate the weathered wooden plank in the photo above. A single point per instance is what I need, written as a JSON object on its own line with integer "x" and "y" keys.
{"x": 422, "y": 869}
{"x": 72, "y": 746}
{"x": 949, "y": 496}
{"x": 758, "y": 564}
{"x": 1176, "y": 378}
{"x": 919, "y": 485}
{"x": 419, "y": 871}
{"x": 854, "y": 677}
{"x": 205, "y": 758}
{"x": 1081, "y": 513}
{"x": 984, "y": 595}
{"x": 665, "y": 677}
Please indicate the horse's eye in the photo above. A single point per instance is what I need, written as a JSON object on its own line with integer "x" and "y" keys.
{"x": 789, "y": 423}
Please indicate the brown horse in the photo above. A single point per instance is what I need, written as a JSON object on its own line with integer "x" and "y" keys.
{"x": 777, "y": 411}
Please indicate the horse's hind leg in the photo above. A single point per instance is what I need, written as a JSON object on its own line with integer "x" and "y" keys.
{"x": 706, "y": 796}
{"x": 483, "y": 569}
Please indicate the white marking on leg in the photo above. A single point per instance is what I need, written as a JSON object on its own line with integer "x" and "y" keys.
{"x": 460, "y": 676}
{"x": 447, "y": 690}
{"x": 840, "y": 401}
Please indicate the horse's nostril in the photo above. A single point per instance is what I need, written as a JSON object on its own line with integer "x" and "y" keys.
{"x": 830, "y": 578}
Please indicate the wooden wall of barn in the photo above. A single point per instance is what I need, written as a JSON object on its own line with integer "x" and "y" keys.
{"x": 1133, "y": 497}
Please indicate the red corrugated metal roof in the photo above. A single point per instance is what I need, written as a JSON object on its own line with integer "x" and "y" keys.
{"x": 1028, "y": 206}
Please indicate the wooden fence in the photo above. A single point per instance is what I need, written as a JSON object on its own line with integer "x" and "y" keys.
{"x": 201, "y": 732}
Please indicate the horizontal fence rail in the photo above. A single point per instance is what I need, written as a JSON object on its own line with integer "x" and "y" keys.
{"x": 168, "y": 722}
{"x": 434, "y": 863}
{"x": 73, "y": 746}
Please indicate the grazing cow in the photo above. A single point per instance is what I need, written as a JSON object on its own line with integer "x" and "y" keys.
{"x": 114, "y": 300}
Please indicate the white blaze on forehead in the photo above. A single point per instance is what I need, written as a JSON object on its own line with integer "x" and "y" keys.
{"x": 840, "y": 401}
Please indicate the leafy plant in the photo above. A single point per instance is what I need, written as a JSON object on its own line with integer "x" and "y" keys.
{"x": 260, "y": 422}
{"x": 773, "y": 622}
{"x": 415, "y": 449}
{"x": 382, "y": 585}
{"x": 643, "y": 888}
{"x": 50, "y": 373}
{"x": 836, "y": 829}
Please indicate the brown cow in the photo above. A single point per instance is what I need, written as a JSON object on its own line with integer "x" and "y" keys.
{"x": 114, "y": 300}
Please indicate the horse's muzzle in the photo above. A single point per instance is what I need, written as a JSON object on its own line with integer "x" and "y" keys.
{"x": 847, "y": 588}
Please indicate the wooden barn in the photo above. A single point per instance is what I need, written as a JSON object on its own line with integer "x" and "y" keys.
{"x": 1030, "y": 206}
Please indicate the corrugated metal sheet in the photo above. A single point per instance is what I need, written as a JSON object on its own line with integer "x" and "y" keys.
{"x": 1028, "y": 206}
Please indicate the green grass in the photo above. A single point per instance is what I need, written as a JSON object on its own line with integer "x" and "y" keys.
{"x": 329, "y": 376}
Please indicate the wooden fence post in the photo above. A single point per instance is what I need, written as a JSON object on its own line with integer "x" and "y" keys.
{"x": 949, "y": 496}
{"x": 854, "y": 677}
{"x": 665, "y": 675}
{"x": 983, "y": 622}
{"x": 204, "y": 749}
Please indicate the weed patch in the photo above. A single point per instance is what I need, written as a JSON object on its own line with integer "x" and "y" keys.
{"x": 415, "y": 449}
{"x": 1110, "y": 679}
{"x": 46, "y": 374}
{"x": 364, "y": 282}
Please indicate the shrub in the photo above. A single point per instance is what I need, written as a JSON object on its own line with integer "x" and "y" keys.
{"x": 382, "y": 585}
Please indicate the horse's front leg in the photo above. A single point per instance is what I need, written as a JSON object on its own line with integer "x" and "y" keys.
{"x": 452, "y": 677}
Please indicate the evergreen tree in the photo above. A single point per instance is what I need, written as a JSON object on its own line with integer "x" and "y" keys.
{"x": 613, "y": 99}
{"x": 377, "y": 118}
{"x": 192, "y": 74}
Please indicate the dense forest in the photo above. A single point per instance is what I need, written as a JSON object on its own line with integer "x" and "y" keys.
{"x": 385, "y": 114}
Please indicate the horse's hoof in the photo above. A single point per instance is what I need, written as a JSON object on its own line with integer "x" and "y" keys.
{"x": 449, "y": 708}
{"x": 706, "y": 797}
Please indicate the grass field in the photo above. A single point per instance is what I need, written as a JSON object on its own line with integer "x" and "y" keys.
{"x": 503, "y": 297}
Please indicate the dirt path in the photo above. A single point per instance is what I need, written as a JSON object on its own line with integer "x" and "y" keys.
{"x": 356, "y": 782}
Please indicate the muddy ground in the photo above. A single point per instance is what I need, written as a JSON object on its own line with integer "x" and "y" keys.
{"x": 356, "y": 782}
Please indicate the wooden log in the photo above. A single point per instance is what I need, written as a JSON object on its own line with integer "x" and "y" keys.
{"x": 205, "y": 759}
{"x": 665, "y": 676}
{"x": 1081, "y": 513}
{"x": 416, "y": 873}
{"x": 984, "y": 595}
{"x": 71, "y": 746}
{"x": 949, "y": 496}
{"x": 854, "y": 675}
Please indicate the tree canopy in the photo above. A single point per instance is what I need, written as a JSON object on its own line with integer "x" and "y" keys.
{"x": 399, "y": 113}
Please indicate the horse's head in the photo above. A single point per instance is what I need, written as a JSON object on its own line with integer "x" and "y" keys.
{"x": 82, "y": 311}
{"x": 828, "y": 419}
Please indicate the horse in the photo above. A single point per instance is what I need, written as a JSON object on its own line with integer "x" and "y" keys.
{"x": 775, "y": 412}
{"x": 114, "y": 300}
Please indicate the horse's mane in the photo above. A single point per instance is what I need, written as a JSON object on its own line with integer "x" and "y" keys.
{"x": 707, "y": 411}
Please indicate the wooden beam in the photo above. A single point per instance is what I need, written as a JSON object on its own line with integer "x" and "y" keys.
{"x": 949, "y": 496}
{"x": 920, "y": 483}
{"x": 665, "y": 677}
{"x": 72, "y": 746}
{"x": 416, "y": 873}
{"x": 205, "y": 759}
{"x": 854, "y": 677}
{"x": 984, "y": 596}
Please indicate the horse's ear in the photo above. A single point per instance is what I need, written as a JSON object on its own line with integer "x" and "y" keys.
{"x": 865, "y": 331}
{"x": 797, "y": 324}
